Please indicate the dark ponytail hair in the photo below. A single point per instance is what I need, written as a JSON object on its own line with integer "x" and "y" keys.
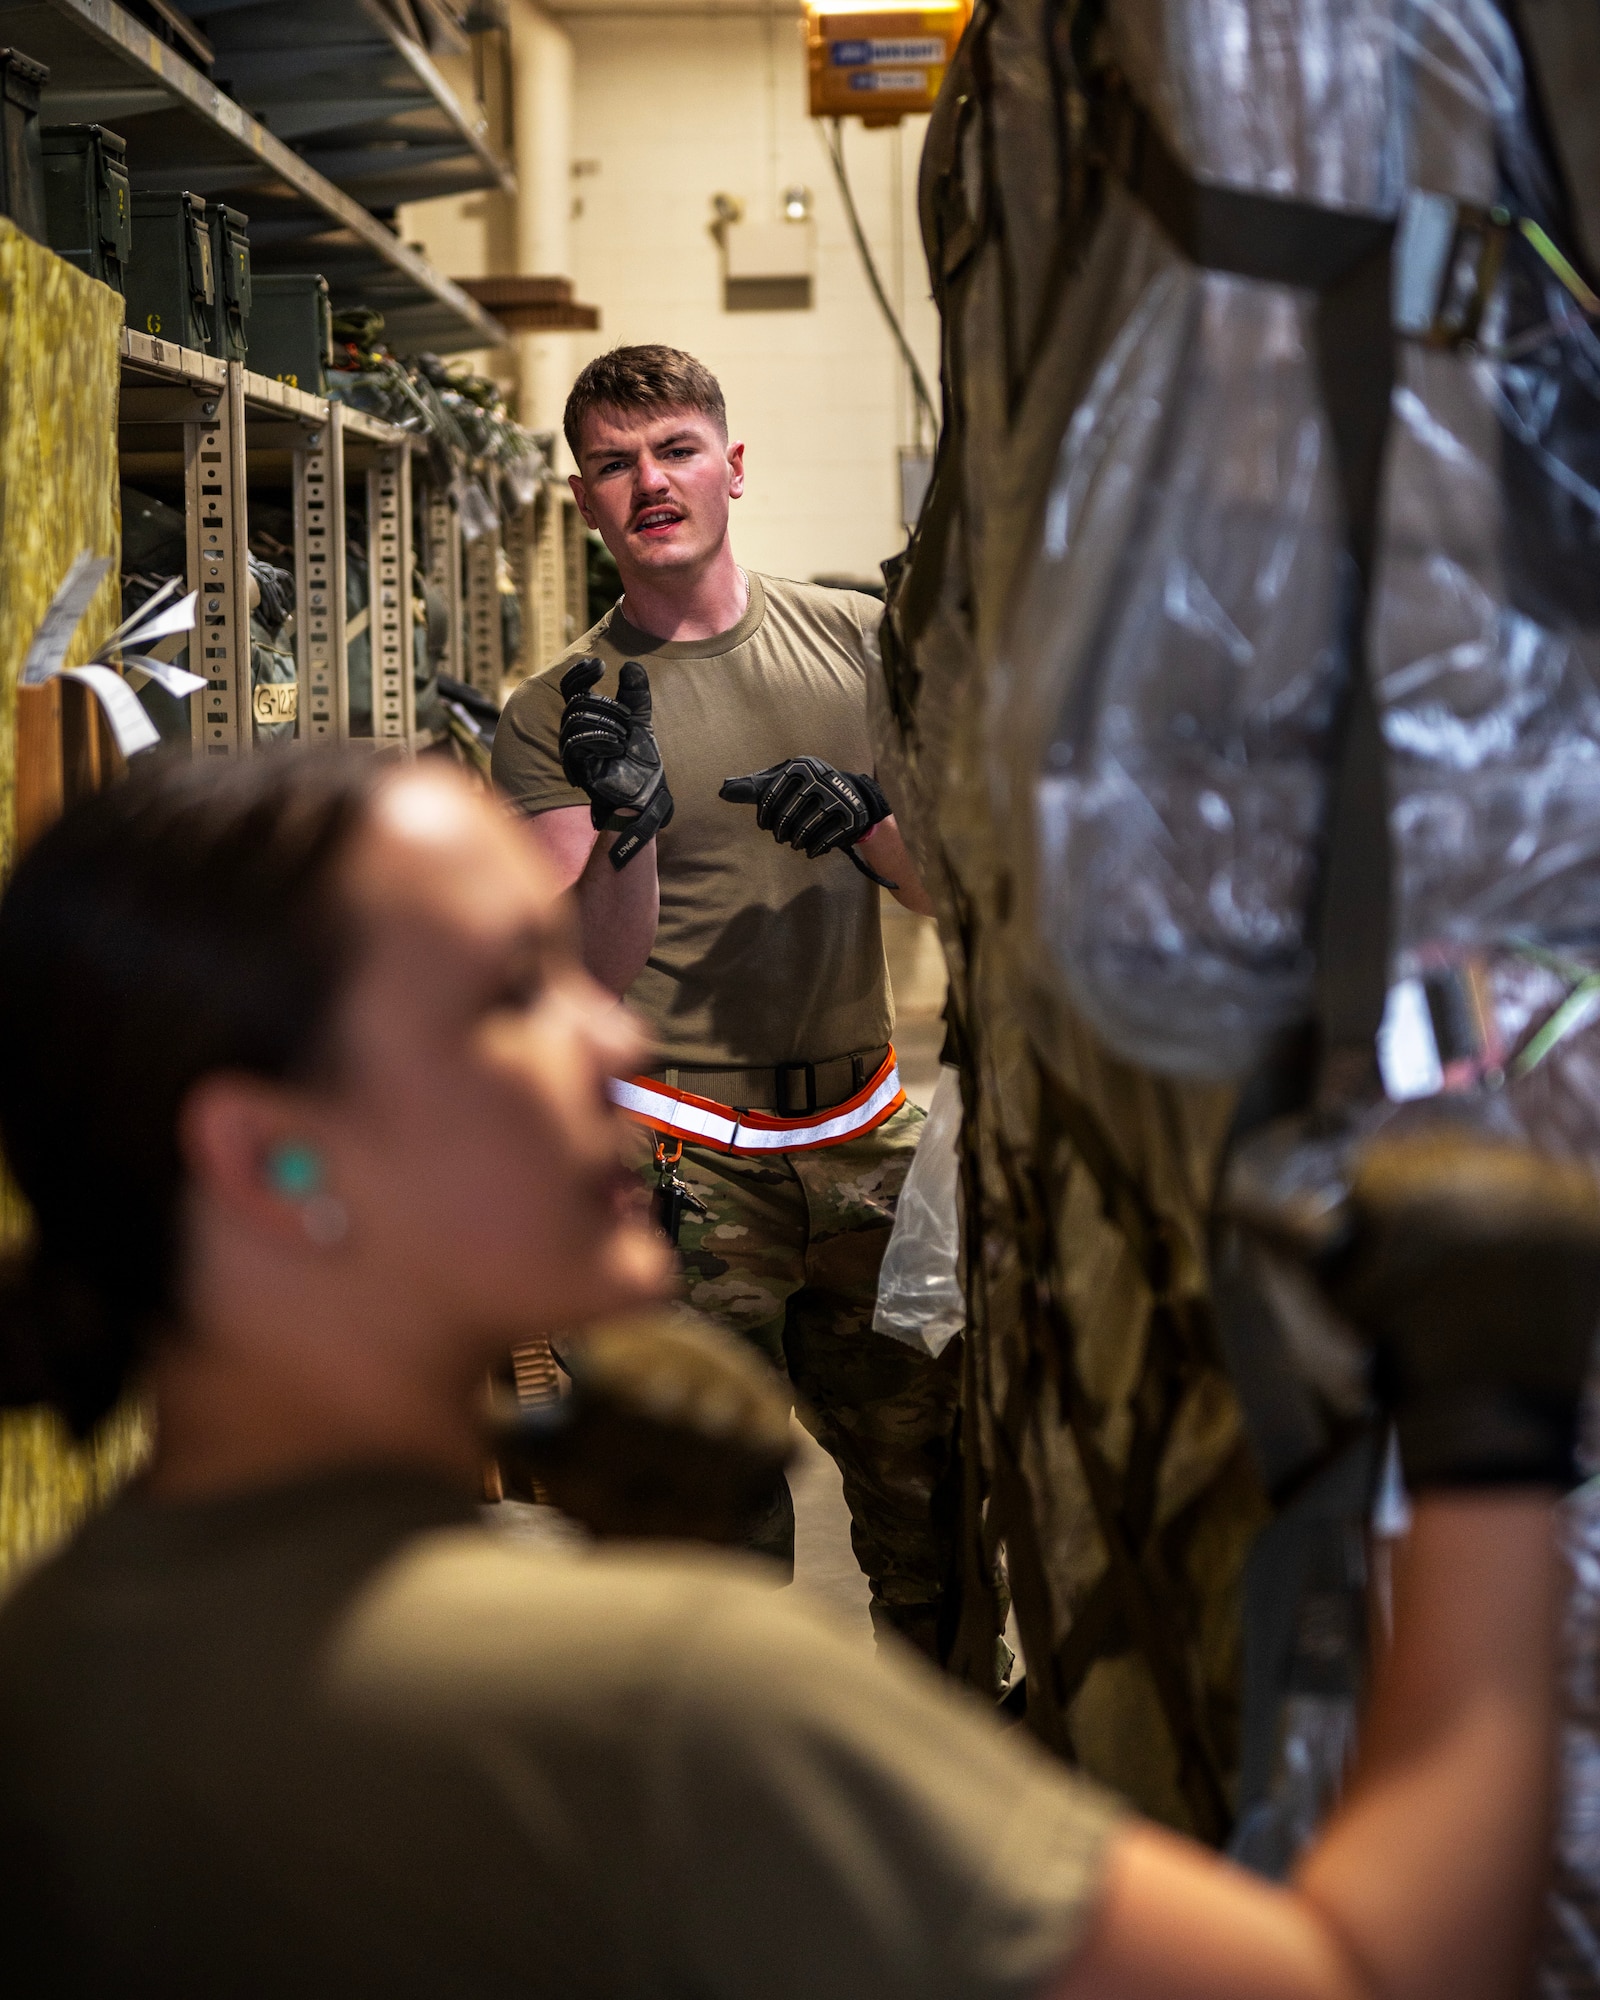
{"x": 185, "y": 921}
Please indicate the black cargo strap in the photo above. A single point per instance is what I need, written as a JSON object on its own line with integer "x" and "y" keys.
{"x": 1345, "y": 258}
{"x": 1252, "y": 235}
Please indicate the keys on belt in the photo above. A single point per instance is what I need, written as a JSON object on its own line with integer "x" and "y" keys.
{"x": 672, "y": 1197}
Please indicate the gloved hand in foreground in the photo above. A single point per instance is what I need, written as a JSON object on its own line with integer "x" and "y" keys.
{"x": 809, "y": 806}
{"x": 609, "y": 751}
{"x": 1470, "y": 1266}
{"x": 674, "y": 1429}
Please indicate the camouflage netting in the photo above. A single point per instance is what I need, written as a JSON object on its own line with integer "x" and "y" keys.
{"x": 59, "y": 334}
{"x": 1106, "y": 1431}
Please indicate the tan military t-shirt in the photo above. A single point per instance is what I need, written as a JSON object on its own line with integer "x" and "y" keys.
{"x": 338, "y": 1739}
{"x": 761, "y": 955}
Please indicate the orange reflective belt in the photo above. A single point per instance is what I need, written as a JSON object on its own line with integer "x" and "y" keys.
{"x": 703, "y": 1122}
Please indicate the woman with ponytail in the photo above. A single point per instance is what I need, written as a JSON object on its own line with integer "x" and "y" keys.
{"x": 307, "y": 1089}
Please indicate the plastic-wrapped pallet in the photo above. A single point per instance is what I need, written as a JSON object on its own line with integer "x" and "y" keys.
{"x": 1178, "y": 645}
{"x": 1106, "y": 1447}
{"x": 1119, "y": 664}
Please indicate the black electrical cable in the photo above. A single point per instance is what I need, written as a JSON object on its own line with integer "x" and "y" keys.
{"x": 833, "y": 139}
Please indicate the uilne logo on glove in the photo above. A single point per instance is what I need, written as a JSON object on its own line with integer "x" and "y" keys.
{"x": 809, "y": 806}
{"x": 609, "y": 751}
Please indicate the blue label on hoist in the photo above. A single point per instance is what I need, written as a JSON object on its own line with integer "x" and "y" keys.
{"x": 854, "y": 55}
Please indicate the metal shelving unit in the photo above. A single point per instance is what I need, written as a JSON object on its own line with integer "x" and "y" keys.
{"x": 484, "y": 653}
{"x": 354, "y": 85}
{"x": 224, "y": 429}
{"x": 384, "y": 455}
{"x": 317, "y": 117}
{"x": 442, "y": 561}
{"x": 547, "y": 549}
{"x": 185, "y": 131}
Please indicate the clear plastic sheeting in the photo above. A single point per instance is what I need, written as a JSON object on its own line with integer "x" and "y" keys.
{"x": 1178, "y": 645}
{"x": 1318, "y": 1742}
{"x": 1161, "y": 723}
{"x": 1288, "y": 97}
{"x": 920, "y": 1300}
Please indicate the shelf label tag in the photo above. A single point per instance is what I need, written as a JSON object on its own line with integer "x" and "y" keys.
{"x": 61, "y": 621}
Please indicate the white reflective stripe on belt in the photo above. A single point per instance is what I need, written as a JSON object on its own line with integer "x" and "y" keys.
{"x": 691, "y": 1119}
{"x": 695, "y": 1120}
{"x": 762, "y": 1138}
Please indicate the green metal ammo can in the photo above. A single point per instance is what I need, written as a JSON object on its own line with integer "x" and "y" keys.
{"x": 230, "y": 261}
{"x": 21, "y": 162}
{"x": 172, "y": 289}
{"x": 291, "y": 329}
{"x": 88, "y": 207}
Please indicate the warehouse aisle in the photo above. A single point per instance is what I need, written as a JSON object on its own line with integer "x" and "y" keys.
{"x": 824, "y": 1563}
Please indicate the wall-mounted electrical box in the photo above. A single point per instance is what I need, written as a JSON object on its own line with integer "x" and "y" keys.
{"x": 877, "y": 65}
{"x": 767, "y": 266}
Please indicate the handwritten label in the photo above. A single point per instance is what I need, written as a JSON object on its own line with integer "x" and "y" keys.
{"x": 277, "y": 701}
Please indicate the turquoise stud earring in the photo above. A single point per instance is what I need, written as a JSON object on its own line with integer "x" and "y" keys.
{"x": 295, "y": 1170}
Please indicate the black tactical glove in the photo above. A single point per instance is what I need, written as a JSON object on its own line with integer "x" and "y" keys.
{"x": 813, "y": 808}
{"x": 673, "y": 1430}
{"x": 1471, "y": 1268}
{"x": 609, "y": 751}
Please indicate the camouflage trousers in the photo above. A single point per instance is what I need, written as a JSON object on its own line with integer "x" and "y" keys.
{"x": 787, "y": 1257}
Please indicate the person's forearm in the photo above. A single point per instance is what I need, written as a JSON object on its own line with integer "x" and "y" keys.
{"x": 884, "y": 849}
{"x": 1426, "y": 1884}
{"x": 618, "y": 910}
{"x": 1431, "y": 1870}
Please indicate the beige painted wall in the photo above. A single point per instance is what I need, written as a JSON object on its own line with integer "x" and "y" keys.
{"x": 668, "y": 109}
{"x": 479, "y": 235}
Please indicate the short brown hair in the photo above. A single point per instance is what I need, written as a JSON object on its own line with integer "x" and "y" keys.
{"x": 643, "y": 378}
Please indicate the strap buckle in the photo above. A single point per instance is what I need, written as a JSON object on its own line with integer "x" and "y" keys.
{"x": 782, "y": 1072}
{"x": 1447, "y": 259}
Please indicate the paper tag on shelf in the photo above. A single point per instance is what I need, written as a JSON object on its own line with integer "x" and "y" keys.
{"x": 177, "y": 681}
{"x": 61, "y": 621}
{"x": 148, "y": 609}
{"x": 132, "y": 728}
{"x": 177, "y": 617}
